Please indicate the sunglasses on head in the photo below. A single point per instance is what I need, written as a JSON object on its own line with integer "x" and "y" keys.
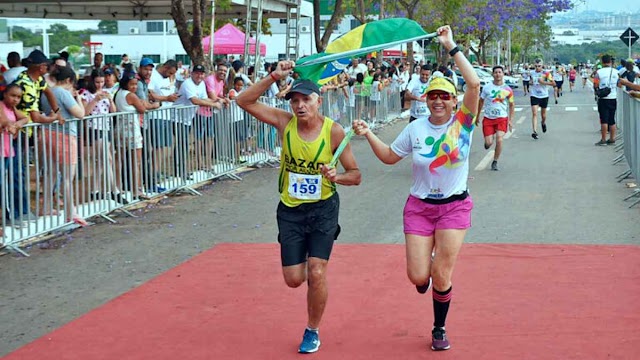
{"x": 442, "y": 95}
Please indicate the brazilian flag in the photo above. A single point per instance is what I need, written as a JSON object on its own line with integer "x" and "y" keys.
{"x": 373, "y": 36}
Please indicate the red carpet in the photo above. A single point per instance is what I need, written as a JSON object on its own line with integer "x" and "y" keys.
{"x": 509, "y": 302}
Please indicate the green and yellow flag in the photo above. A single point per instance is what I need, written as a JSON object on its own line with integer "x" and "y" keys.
{"x": 373, "y": 36}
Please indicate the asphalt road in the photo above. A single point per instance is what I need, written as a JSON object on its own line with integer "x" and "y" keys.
{"x": 558, "y": 189}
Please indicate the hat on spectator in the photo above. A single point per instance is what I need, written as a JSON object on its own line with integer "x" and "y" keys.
{"x": 198, "y": 68}
{"x": 305, "y": 87}
{"x": 146, "y": 62}
{"x": 108, "y": 71}
{"x": 37, "y": 57}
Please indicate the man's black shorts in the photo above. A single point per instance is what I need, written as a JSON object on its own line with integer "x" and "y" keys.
{"x": 542, "y": 102}
{"x": 308, "y": 230}
{"x": 607, "y": 111}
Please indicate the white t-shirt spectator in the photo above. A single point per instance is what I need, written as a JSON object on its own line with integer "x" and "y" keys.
{"x": 12, "y": 74}
{"x": 608, "y": 78}
{"x": 189, "y": 90}
{"x": 163, "y": 87}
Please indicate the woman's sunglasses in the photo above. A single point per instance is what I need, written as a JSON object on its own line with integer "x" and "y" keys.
{"x": 442, "y": 95}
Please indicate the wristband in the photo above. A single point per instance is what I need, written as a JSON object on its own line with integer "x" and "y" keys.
{"x": 273, "y": 77}
{"x": 56, "y": 110}
{"x": 454, "y": 51}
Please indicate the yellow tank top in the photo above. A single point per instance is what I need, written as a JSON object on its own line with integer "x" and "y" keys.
{"x": 300, "y": 179}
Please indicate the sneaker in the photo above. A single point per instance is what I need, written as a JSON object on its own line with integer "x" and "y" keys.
{"x": 424, "y": 288}
{"x": 439, "y": 339}
{"x": 556, "y": 101}
{"x": 494, "y": 165}
{"x": 611, "y": 142}
{"x": 601, "y": 143}
{"x": 534, "y": 135}
{"x": 310, "y": 342}
{"x": 487, "y": 146}
{"x": 544, "y": 127}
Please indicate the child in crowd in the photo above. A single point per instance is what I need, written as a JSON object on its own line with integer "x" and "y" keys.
{"x": 240, "y": 126}
{"x": 11, "y": 121}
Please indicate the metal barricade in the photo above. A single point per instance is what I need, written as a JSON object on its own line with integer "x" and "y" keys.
{"x": 630, "y": 117}
{"x": 63, "y": 174}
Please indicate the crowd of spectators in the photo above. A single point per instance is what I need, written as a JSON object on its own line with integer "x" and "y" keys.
{"x": 79, "y": 153}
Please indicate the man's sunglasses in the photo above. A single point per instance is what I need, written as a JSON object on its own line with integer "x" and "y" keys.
{"x": 442, "y": 95}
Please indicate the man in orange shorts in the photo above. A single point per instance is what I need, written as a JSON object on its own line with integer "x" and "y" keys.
{"x": 497, "y": 103}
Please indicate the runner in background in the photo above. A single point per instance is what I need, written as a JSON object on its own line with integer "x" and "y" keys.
{"x": 497, "y": 101}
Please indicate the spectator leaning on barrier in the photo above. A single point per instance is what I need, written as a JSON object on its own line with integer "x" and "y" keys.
{"x": 129, "y": 134}
{"x": 162, "y": 88}
{"x": 11, "y": 121}
{"x": 59, "y": 143}
{"x": 98, "y": 101}
{"x": 192, "y": 92}
{"x": 33, "y": 85}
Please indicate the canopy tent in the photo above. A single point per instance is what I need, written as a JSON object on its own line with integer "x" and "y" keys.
{"x": 133, "y": 9}
{"x": 230, "y": 40}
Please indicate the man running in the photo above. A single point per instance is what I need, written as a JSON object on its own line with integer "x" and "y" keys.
{"x": 584, "y": 74}
{"x": 416, "y": 93}
{"x": 496, "y": 99}
{"x": 558, "y": 78}
{"x": 540, "y": 81}
{"x": 526, "y": 78}
{"x": 307, "y": 214}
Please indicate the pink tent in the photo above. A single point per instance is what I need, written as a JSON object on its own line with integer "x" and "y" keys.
{"x": 229, "y": 40}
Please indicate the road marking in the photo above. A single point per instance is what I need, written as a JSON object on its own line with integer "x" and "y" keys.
{"x": 570, "y": 108}
{"x": 521, "y": 120}
{"x": 485, "y": 161}
{"x": 509, "y": 133}
{"x": 519, "y": 109}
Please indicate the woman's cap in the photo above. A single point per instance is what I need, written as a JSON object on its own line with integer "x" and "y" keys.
{"x": 442, "y": 84}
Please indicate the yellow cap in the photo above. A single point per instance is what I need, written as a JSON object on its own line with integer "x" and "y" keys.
{"x": 441, "y": 83}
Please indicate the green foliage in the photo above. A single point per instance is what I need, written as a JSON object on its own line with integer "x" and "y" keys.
{"x": 592, "y": 51}
{"x": 108, "y": 27}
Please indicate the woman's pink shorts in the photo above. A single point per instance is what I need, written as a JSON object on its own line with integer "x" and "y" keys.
{"x": 421, "y": 218}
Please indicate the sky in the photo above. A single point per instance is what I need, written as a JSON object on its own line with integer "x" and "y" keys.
{"x": 608, "y": 5}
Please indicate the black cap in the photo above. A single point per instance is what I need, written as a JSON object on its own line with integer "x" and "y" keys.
{"x": 37, "y": 57}
{"x": 198, "y": 68}
{"x": 305, "y": 87}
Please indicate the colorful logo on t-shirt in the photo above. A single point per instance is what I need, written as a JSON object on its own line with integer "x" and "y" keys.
{"x": 452, "y": 148}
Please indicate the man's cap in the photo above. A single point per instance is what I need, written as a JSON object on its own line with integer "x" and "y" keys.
{"x": 37, "y": 57}
{"x": 146, "y": 62}
{"x": 442, "y": 84}
{"x": 305, "y": 87}
{"x": 108, "y": 71}
{"x": 199, "y": 68}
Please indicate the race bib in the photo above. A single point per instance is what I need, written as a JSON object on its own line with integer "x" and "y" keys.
{"x": 493, "y": 113}
{"x": 305, "y": 187}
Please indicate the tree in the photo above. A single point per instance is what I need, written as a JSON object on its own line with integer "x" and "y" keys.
{"x": 336, "y": 17}
{"x": 108, "y": 27}
{"x": 190, "y": 36}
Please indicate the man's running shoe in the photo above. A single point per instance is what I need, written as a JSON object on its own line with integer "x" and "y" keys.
{"x": 544, "y": 127}
{"x": 601, "y": 143}
{"x": 310, "y": 342}
{"x": 424, "y": 288}
{"x": 534, "y": 135}
{"x": 611, "y": 142}
{"x": 494, "y": 165}
{"x": 439, "y": 339}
